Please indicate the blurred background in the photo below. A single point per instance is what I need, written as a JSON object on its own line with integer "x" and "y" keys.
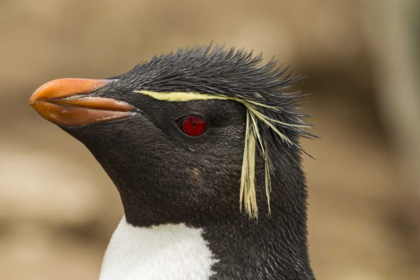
{"x": 58, "y": 208}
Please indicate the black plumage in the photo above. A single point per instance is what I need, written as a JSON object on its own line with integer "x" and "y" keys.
{"x": 164, "y": 176}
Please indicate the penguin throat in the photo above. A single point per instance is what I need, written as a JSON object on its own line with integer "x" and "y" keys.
{"x": 159, "y": 252}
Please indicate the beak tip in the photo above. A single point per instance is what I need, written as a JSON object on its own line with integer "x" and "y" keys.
{"x": 49, "y": 100}
{"x": 31, "y": 101}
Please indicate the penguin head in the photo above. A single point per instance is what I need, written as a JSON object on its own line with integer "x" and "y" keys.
{"x": 199, "y": 134}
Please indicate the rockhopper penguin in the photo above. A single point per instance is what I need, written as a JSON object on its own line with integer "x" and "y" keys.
{"x": 202, "y": 145}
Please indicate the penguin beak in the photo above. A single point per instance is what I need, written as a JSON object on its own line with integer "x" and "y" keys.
{"x": 64, "y": 102}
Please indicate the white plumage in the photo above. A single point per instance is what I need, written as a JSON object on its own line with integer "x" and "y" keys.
{"x": 175, "y": 252}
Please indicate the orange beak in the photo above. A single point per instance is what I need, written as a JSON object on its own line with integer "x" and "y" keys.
{"x": 62, "y": 102}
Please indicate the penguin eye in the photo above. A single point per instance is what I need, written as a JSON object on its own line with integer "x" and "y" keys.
{"x": 193, "y": 126}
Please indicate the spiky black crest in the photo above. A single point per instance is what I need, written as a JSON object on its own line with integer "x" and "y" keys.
{"x": 232, "y": 73}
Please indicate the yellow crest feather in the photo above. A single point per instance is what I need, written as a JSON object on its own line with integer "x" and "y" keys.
{"x": 247, "y": 193}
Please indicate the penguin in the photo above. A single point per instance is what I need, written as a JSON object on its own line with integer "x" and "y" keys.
{"x": 203, "y": 147}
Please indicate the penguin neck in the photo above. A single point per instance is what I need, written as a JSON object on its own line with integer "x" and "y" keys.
{"x": 275, "y": 245}
{"x": 272, "y": 247}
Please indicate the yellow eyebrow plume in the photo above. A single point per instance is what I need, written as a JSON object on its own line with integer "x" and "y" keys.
{"x": 247, "y": 193}
{"x": 179, "y": 96}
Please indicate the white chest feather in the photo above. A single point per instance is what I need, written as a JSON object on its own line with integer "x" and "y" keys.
{"x": 161, "y": 252}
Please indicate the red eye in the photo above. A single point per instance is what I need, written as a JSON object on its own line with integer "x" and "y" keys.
{"x": 193, "y": 126}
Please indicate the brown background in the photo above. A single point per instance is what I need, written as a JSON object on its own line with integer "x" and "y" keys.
{"x": 58, "y": 208}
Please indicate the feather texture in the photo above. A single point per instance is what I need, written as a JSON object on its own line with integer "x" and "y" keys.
{"x": 271, "y": 114}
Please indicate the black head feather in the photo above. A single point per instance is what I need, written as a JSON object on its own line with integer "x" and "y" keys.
{"x": 164, "y": 177}
{"x": 272, "y": 117}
